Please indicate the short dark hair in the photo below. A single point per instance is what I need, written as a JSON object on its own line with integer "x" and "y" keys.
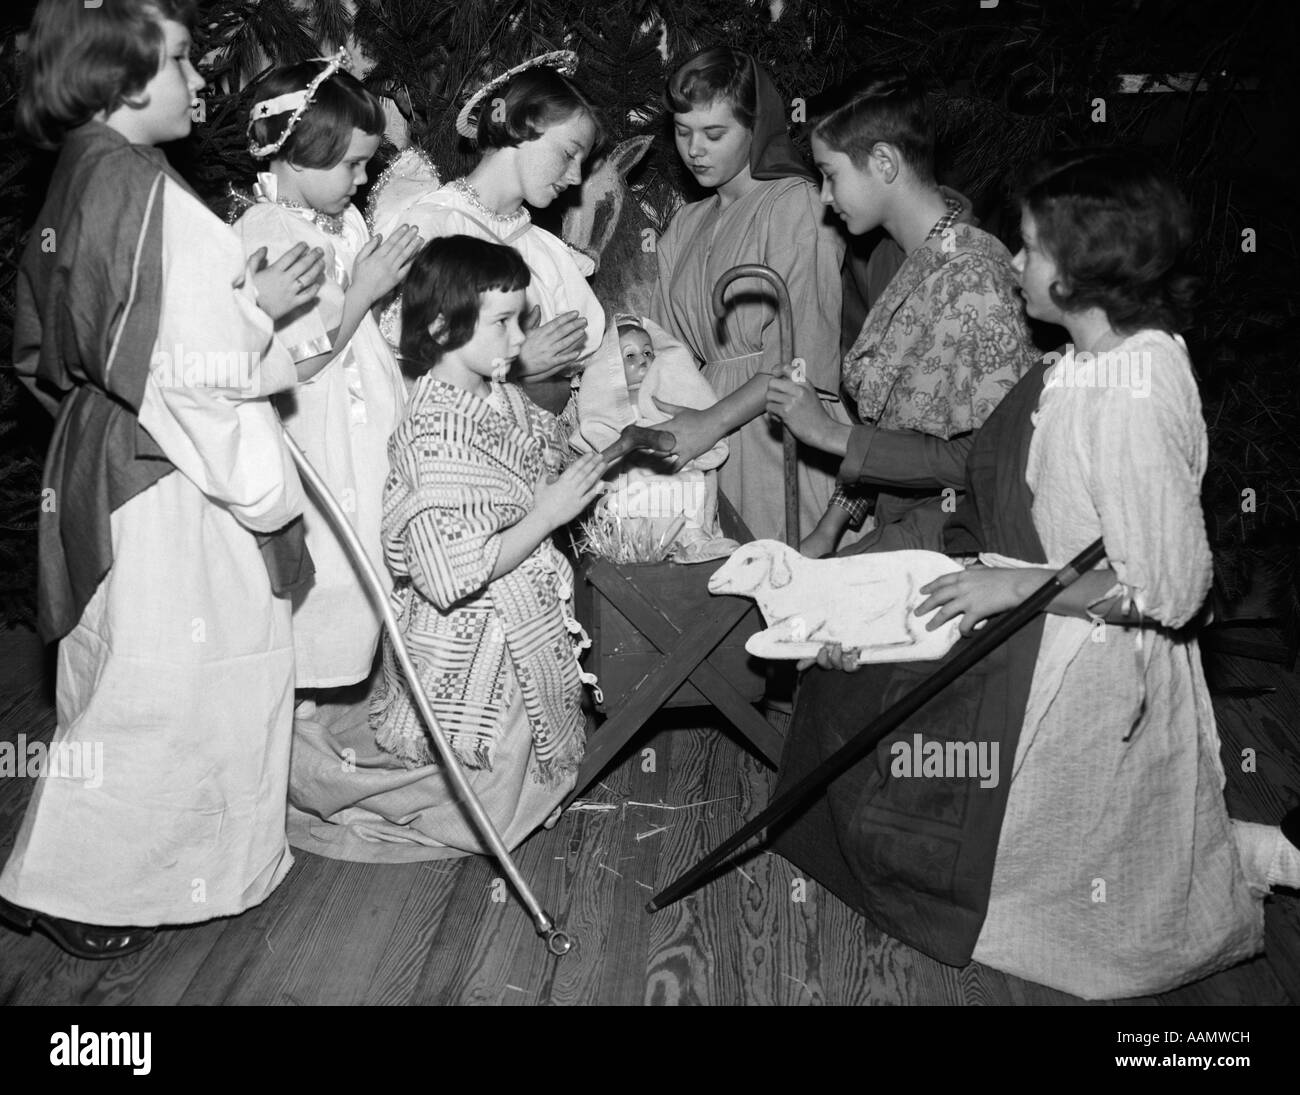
{"x": 81, "y": 60}
{"x": 1118, "y": 229}
{"x": 716, "y": 72}
{"x": 321, "y": 137}
{"x": 448, "y": 278}
{"x": 529, "y": 104}
{"x": 873, "y": 107}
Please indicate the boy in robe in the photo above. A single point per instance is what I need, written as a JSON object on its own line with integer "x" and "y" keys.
{"x": 942, "y": 344}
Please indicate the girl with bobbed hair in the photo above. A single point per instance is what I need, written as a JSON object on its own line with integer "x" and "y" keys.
{"x": 535, "y": 128}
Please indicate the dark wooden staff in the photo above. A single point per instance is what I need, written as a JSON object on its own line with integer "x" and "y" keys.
{"x": 852, "y": 751}
{"x": 785, "y": 332}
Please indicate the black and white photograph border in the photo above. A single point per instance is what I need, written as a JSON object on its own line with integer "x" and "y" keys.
{"x": 1005, "y": 289}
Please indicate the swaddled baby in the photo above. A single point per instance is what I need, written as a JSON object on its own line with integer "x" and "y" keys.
{"x": 637, "y": 361}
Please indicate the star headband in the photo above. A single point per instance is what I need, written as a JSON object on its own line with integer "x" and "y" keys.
{"x": 295, "y": 101}
{"x": 564, "y": 61}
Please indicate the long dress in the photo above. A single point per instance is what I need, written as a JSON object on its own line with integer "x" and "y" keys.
{"x": 779, "y": 223}
{"x": 1116, "y": 872}
{"x": 342, "y": 417}
{"x": 179, "y": 672}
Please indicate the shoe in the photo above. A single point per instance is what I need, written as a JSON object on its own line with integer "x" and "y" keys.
{"x": 90, "y": 941}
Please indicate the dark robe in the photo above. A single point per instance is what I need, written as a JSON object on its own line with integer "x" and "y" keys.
{"x": 916, "y": 854}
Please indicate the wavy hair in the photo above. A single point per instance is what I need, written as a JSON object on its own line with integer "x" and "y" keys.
{"x": 1118, "y": 229}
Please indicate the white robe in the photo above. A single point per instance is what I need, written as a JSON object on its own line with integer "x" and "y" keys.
{"x": 559, "y": 273}
{"x": 1117, "y": 871}
{"x": 342, "y": 417}
{"x": 179, "y": 674}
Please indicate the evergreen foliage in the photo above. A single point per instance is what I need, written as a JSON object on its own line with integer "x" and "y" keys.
{"x": 1016, "y": 78}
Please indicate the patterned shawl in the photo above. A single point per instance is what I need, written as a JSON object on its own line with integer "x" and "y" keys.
{"x": 464, "y": 470}
{"x": 945, "y": 341}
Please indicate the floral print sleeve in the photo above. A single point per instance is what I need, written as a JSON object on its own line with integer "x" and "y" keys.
{"x": 946, "y": 341}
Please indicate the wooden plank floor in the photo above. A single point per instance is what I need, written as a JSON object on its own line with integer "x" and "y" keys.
{"x": 345, "y": 933}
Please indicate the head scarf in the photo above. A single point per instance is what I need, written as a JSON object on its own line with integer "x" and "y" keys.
{"x": 772, "y": 154}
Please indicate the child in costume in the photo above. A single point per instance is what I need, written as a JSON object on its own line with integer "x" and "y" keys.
{"x": 942, "y": 344}
{"x": 637, "y": 363}
{"x": 163, "y": 567}
{"x": 1102, "y": 861}
{"x": 318, "y": 127}
{"x": 730, "y": 125}
{"x": 538, "y": 131}
{"x": 483, "y": 596}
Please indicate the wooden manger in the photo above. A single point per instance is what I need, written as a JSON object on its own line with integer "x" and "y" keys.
{"x": 660, "y": 639}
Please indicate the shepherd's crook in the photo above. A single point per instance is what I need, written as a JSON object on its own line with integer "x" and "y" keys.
{"x": 994, "y": 635}
{"x": 557, "y": 942}
{"x": 785, "y": 331}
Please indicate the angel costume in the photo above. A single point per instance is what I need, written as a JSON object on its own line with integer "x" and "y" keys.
{"x": 342, "y": 418}
{"x": 408, "y": 193}
{"x": 175, "y": 674}
{"x": 640, "y": 495}
{"x": 780, "y": 223}
{"x": 1102, "y": 862}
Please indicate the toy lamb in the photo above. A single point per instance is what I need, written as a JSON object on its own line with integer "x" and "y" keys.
{"x": 864, "y": 601}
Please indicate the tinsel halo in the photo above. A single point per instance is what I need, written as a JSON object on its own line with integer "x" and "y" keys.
{"x": 564, "y": 61}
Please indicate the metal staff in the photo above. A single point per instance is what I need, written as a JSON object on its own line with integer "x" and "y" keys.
{"x": 634, "y": 437}
{"x": 557, "y": 942}
{"x": 852, "y": 751}
{"x": 785, "y": 329}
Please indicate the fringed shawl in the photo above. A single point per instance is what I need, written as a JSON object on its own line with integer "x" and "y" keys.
{"x": 464, "y": 471}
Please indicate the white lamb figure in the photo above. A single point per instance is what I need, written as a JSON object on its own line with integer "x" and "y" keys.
{"x": 864, "y": 601}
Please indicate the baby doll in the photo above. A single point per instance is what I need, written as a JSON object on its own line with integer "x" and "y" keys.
{"x": 636, "y": 361}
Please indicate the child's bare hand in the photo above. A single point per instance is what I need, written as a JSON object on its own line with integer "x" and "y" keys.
{"x": 694, "y": 431}
{"x": 976, "y": 594}
{"x": 832, "y": 656}
{"x": 561, "y": 501}
{"x": 549, "y": 348}
{"x": 382, "y": 263}
{"x": 800, "y": 408}
{"x": 293, "y": 280}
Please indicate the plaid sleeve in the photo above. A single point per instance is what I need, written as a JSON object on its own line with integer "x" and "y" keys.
{"x": 857, "y": 506}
